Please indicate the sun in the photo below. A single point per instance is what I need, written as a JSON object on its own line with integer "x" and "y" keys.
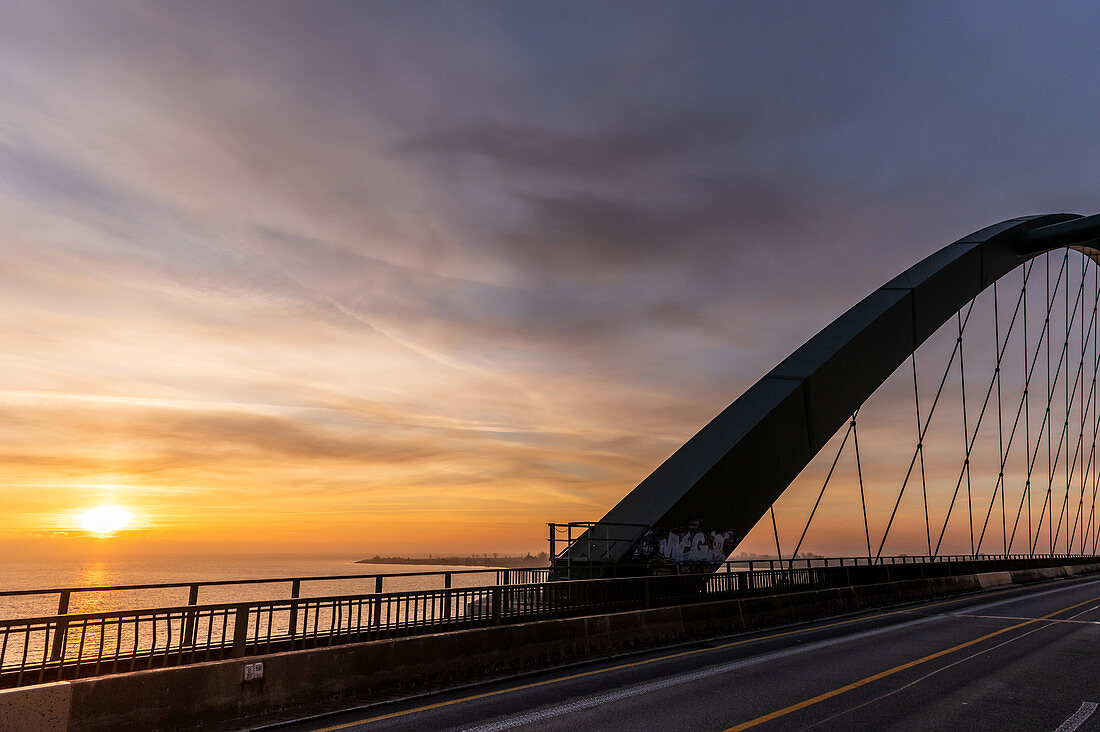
{"x": 104, "y": 520}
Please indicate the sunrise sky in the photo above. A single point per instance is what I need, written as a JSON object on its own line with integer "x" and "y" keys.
{"x": 421, "y": 277}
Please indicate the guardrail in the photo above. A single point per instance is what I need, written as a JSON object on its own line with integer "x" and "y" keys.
{"x": 446, "y": 579}
{"x": 293, "y": 585}
{"x": 600, "y": 537}
{"x": 67, "y": 646}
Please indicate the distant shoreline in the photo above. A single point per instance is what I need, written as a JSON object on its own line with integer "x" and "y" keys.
{"x": 502, "y": 562}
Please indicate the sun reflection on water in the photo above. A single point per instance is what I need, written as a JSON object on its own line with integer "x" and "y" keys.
{"x": 93, "y": 574}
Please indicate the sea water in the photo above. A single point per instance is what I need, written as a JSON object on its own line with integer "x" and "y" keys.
{"x": 97, "y": 572}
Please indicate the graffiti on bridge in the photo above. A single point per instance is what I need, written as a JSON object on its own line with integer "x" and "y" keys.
{"x": 693, "y": 547}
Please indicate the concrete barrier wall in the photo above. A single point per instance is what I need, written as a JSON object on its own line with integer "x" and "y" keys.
{"x": 42, "y": 708}
{"x": 188, "y": 696}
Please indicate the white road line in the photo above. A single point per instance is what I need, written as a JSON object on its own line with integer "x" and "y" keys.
{"x": 1094, "y": 607}
{"x": 1078, "y": 718}
{"x": 1014, "y": 617}
{"x": 1028, "y": 596}
{"x": 556, "y": 710}
{"x": 927, "y": 676}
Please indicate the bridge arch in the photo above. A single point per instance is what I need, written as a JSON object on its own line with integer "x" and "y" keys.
{"x": 731, "y": 471}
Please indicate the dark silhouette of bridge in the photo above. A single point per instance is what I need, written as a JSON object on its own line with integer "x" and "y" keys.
{"x": 723, "y": 481}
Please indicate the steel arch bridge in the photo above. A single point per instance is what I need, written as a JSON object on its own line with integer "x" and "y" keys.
{"x": 725, "y": 479}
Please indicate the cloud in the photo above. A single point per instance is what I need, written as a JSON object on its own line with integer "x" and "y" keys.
{"x": 416, "y": 258}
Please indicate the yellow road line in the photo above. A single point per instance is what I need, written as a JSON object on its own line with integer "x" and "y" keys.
{"x": 889, "y": 672}
{"x": 680, "y": 654}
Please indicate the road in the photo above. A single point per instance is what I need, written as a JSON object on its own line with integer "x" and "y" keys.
{"x": 1024, "y": 658}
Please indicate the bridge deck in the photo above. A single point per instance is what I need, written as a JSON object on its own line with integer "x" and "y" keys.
{"x": 967, "y": 663}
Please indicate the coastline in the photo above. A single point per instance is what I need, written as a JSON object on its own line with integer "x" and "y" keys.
{"x": 492, "y": 562}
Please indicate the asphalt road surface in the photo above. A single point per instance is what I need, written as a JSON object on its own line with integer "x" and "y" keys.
{"x": 1019, "y": 659}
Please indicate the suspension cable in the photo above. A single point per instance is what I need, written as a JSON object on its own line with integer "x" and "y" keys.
{"x": 1026, "y": 401}
{"x": 920, "y": 436}
{"x": 1000, "y": 430}
{"x": 1078, "y": 395}
{"x": 1031, "y": 456}
{"x": 862, "y": 496}
{"x": 1063, "y": 437}
{"x": 1088, "y": 466}
{"x": 1050, "y": 428}
{"x": 1065, "y": 428}
{"x": 1083, "y": 415}
{"x": 966, "y": 435}
{"x": 843, "y": 442}
{"x": 1078, "y": 517}
{"x": 998, "y": 484}
{"x": 1079, "y": 450}
{"x": 1047, "y": 503}
{"x": 920, "y": 451}
{"x": 775, "y": 530}
{"x": 1095, "y": 422}
{"x": 969, "y": 439}
{"x": 1023, "y": 408}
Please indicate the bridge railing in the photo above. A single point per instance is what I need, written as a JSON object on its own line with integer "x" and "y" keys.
{"x": 584, "y": 550}
{"x": 751, "y": 565}
{"x": 67, "y": 646}
{"x": 63, "y": 598}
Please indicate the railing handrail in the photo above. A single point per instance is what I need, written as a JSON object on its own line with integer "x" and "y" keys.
{"x": 286, "y": 601}
{"x": 435, "y": 592}
{"x": 260, "y": 581}
{"x": 485, "y": 570}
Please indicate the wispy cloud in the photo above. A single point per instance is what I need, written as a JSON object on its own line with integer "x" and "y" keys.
{"x": 450, "y": 271}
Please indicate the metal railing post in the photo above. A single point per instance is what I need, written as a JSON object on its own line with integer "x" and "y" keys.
{"x": 295, "y": 593}
{"x": 58, "y": 649}
{"x": 568, "y": 553}
{"x": 497, "y": 602}
{"x": 378, "y": 602}
{"x": 240, "y": 629}
{"x": 447, "y": 596}
{"x": 189, "y": 619}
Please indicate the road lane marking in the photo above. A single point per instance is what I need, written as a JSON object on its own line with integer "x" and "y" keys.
{"x": 556, "y": 710}
{"x": 1078, "y": 718}
{"x": 896, "y": 669}
{"x": 1089, "y": 610}
{"x": 1017, "y": 617}
{"x": 1032, "y": 595}
{"x": 927, "y": 676}
{"x": 634, "y": 664}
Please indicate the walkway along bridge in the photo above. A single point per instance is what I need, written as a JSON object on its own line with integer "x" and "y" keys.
{"x": 1023, "y": 479}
